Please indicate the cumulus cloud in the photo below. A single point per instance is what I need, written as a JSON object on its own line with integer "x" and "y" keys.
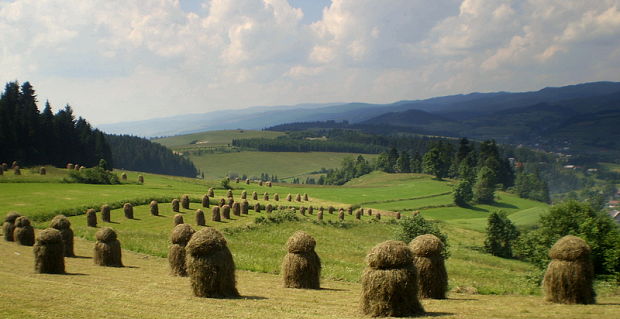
{"x": 124, "y": 60}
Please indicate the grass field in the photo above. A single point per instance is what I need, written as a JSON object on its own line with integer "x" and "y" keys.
{"x": 285, "y": 165}
{"x": 90, "y": 291}
{"x": 213, "y": 138}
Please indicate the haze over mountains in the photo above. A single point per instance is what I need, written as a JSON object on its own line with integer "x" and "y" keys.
{"x": 585, "y": 113}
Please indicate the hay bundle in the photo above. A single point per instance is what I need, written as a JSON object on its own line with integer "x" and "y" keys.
{"x": 569, "y": 276}
{"x": 185, "y": 201}
{"x": 181, "y": 234}
{"x": 397, "y": 215}
{"x": 69, "y": 166}
{"x": 229, "y": 193}
{"x": 389, "y": 284}
{"x": 288, "y": 198}
{"x": 210, "y": 265}
{"x": 128, "y": 210}
{"x": 210, "y": 192}
{"x": 358, "y": 215}
{"x": 244, "y": 207}
{"x": 62, "y": 224}
{"x": 350, "y": 210}
{"x": 49, "y": 252}
{"x": 301, "y": 267}
{"x": 124, "y": 176}
{"x": 105, "y": 213}
{"x": 269, "y": 208}
{"x": 310, "y": 210}
{"x": 378, "y": 216}
{"x": 177, "y": 219}
{"x": 107, "y": 248}
{"x": 319, "y": 216}
{"x": 230, "y": 201}
{"x": 14, "y": 164}
{"x": 268, "y": 184}
{"x": 266, "y": 196}
{"x": 302, "y": 210}
{"x": 226, "y": 212}
{"x": 205, "y": 201}
{"x": 91, "y": 218}
{"x": 305, "y": 197}
{"x": 244, "y": 195}
{"x": 175, "y": 205}
{"x": 42, "y": 171}
{"x": 415, "y": 213}
{"x": 140, "y": 179}
{"x": 260, "y": 183}
{"x": 16, "y": 170}
{"x": 154, "y": 207}
{"x": 341, "y": 215}
{"x": 23, "y": 233}
{"x": 9, "y": 225}
{"x": 236, "y": 209}
{"x": 215, "y": 214}
{"x": 257, "y": 207}
{"x": 247, "y": 181}
{"x": 331, "y": 209}
{"x": 298, "y": 198}
{"x": 276, "y": 197}
{"x": 321, "y": 209}
{"x": 237, "y": 180}
{"x": 428, "y": 260}
{"x": 83, "y": 168}
{"x": 222, "y": 202}
{"x": 200, "y": 218}
{"x": 77, "y": 167}
{"x": 254, "y": 196}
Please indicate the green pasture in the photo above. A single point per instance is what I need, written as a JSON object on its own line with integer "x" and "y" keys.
{"x": 213, "y": 138}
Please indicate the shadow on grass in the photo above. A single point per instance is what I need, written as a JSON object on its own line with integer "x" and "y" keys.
{"x": 438, "y": 314}
{"x": 502, "y": 205}
{"x": 81, "y": 257}
{"x": 74, "y": 274}
{"x": 252, "y": 297}
{"x": 333, "y": 289}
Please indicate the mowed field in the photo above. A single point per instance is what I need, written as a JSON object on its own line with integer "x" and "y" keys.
{"x": 213, "y": 138}
{"x": 505, "y": 288}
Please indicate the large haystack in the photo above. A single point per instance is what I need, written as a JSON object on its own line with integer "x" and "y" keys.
{"x": 91, "y": 218}
{"x": 569, "y": 276}
{"x": 215, "y": 214}
{"x": 62, "y": 224}
{"x": 105, "y": 213}
{"x": 225, "y": 212}
{"x": 154, "y": 208}
{"x": 23, "y": 233}
{"x": 177, "y": 219}
{"x": 301, "y": 267}
{"x": 49, "y": 252}
{"x": 200, "y": 218}
{"x": 389, "y": 284}
{"x": 428, "y": 259}
{"x": 107, "y": 248}
{"x": 185, "y": 201}
{"x": 205, "y": 201}
{"x": 128, "y": 210}
{"x": 9, "y": 225}
{"x": 236, "y": 209}
{"x": 181, "y": 234}
{"x": 175, "y": 205}
{"x": 210, "y": 265}
{"x": 244, "y": 207}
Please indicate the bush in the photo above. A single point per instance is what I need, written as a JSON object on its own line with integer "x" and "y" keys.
{"x": 462, "y": 193}
{"x": 501, "y": 232}
{"x": 94, "y": 175}
{"x": 414, "y": 226}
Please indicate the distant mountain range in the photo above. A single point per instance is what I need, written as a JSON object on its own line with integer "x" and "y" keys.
{"x": 583, "y": 116}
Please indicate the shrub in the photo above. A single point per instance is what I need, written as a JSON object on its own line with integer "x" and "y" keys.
{"x": 94, "y": 175}
{"x": 462, "y": 193}
{"x": 500, "y": 234}
{"x": 414, "y": 226}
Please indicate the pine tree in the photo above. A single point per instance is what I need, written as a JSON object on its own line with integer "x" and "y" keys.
{"x": 501, "y": 232}
{"x": 484, "y": 189}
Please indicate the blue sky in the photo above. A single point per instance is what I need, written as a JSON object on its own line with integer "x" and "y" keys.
{"x": 127, "y": 60}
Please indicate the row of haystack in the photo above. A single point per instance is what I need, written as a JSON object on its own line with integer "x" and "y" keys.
{"x": 124, "y": 178}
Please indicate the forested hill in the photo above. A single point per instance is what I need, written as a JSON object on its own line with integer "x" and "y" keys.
{"x": 139, "y": 154}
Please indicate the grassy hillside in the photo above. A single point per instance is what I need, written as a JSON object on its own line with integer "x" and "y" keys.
{"x": 283, "y": 164}
{"x": 213, "y": 138}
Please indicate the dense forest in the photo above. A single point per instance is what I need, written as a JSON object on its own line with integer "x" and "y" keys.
{"x": 136, "y": 153}
{"x": 31, "y": 137}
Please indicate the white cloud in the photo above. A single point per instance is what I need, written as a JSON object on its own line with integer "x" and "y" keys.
{"x": 124, "y": 60}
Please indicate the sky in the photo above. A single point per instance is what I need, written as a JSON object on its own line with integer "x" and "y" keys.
{"x": 116, "y": 61}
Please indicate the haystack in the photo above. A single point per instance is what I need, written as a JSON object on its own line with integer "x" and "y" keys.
{"x": 215, "y": 214}
{"x": 62, "y": 224}
{"x": 23, "y": 233}
{"x": 14, "y": 164}
{"x": 48, "y": 252}
{"x": 205, "y": 201}
{"x": 42, "y": 171}
{"x": 569, "y": 276}
{"x": 107, "y": 248}
{"x": 230, "y": 201}
{"x": 429, "y": 262}
{"x": 389, "y": 284}
{"x": 397, "y": 216}
{"x": 154, "y": 207}
{"x": 123, "y": 176}
{"x": 269, "y": 208}
{"x": 175, "y": 205}
{"x": 69, "y": 166}
{"x": 236, "y": 209}
{"x": 229, "y": 193}
{"x": 222, "y": 202}
{"x": 319, "y": 215}
{"x": 244, "y": 195}
{"x": 200, "y": 218}
{"x": 244, "y": 207}
{"x": 301, "y": 267}
{"x": 298, "y": 198}
{"x": 210, "y": 265}
{"x": 260, "y": 183}
{"x": 177, "y": 219}
{"x": 341, "y": 215}
{"x": 257, "y": 208}
{"x": 289, "y": 198}
{"x": 225, "y": 212}
{"x": 331, "y": 209}
{"x": 247, "y": 181}
{"x": 305, "y": 197}
{"x": 181, "y": 234}
{"x": 268, "y": 184}
{"x": 310, "y": 210}
{"x": 185, "y": 201}
{"x": 105, "y": 213}
{"x": 128, "y": 210}
{"x": 266, "y": 196}
{"x": 276, "y": 197}
{"x": 369, "y": 212}
{"x": 16, "y": 170}
{"x": 91, "y": 218}
{"x": 210, "y": 192}
{"x": 140, "y": 179}
{"x": 358, "y": 215}
{"x": 350, "y": 210}
{"x": 378, "y": 216}
{"x": 302, "y": 210}
{"x": 9, "y": 225}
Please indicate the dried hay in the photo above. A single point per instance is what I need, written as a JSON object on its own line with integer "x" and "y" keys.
{"x": 49, "y": 252}
{"x": 429, "y": 262}
{"x": 301, "y": 267}
{"x": 107, "y": 248}
{"x": 23, "y": 233}
{"x": 91, "y": 218}
{"x": 62, "y": 224}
